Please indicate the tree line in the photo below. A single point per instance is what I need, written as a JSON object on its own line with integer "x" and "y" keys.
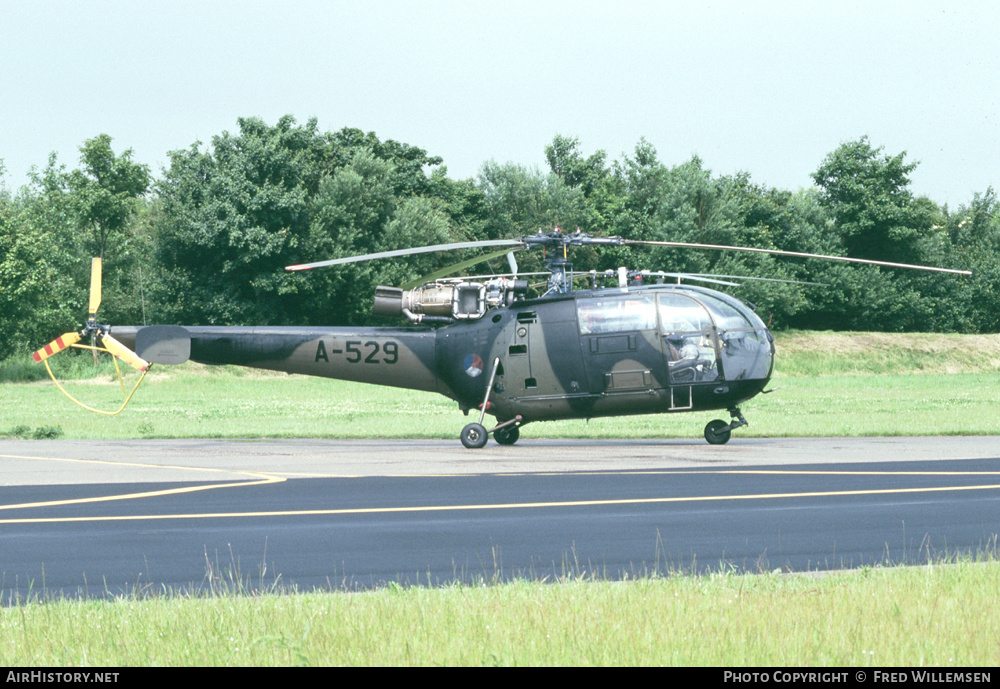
{"x": 207, "y": 241}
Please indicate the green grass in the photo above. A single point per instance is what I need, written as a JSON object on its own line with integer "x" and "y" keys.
{"x": 846, "y": 353}
{"x": 930, "y": 615}
{"x": 69, "y": 365}
{"x": 829, "y": 384}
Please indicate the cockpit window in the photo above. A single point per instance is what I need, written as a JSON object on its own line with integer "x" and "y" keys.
{"x": 616, "y": 314}
{"x": 745, "y": 351}
{"x": 680, "y": 314}
{"x": 726, "y": 315}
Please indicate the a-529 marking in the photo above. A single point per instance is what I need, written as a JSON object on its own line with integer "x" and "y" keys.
{"x": 358, "y": 351}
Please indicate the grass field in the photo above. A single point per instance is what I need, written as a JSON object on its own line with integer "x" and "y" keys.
{"x": 935, "y": 615}
{"x": 939, "y": 614}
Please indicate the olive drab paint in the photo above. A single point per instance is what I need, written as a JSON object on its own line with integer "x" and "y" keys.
{"x": 583, "y": 354}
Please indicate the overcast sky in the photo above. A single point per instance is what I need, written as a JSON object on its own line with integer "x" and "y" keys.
{"x": 769, "y": 88}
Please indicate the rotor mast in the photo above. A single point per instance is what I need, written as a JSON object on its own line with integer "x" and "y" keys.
{"x": 557, "y": 263}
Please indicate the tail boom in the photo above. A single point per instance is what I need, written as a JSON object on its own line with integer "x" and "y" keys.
{"x": 398, "y": 357}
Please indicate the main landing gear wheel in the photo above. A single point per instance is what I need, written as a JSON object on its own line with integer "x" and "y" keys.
{"x": 474, "y": 436}
{"x": 507, "y": 435}
{"x": 715, "y": 434}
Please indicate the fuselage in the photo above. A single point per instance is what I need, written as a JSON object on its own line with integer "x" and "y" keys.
{"x": 587, "y": 353}
{"x": 610, "y": 352}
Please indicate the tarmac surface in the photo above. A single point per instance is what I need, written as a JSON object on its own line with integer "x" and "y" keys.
{"x": 106, "y": 518}
{"x": 50, "y": 462}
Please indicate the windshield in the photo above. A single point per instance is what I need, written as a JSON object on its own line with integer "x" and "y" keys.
{"x": 722, "y": 336}
{"x": 745, "y": 349}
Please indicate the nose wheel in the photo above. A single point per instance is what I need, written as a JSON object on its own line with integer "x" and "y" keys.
{"x": 717, "y": 432}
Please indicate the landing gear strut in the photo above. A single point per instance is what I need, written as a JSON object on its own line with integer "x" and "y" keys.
{"x": 717, "y": 432}
{"x": 474, "y": 435}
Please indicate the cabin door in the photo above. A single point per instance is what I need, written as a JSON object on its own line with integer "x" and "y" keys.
{"x": 688, "y": 343}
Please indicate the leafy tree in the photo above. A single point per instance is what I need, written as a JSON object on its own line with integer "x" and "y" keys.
{"x": 678, "y": 204}
{"x": 868, "y": 196}
{"x": 977, "y": 224}
{"x": 43, "y": 268}
{"x": 770, "y": 218}
{"x": 234, "y": 215}
{"x": 418, "y": 221}
{"x": 348, "y": 216}
{"x": 643, "y": 185}
{"x": 105, "y": 190}
{"x": 368, "y": 206}
{"x": 974, "y": 233}
{"x": 520, "y": 201}
{"x": 565, "y": 160}
{"x": 601, "y": 186}
{"x": 464, "y": 203}
{"x": 409, "y": 162}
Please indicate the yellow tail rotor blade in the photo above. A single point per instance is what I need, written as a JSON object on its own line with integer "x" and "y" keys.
{"x": 95, "y": 285}
{"x": 57, "y": 345}
{"x": 123, "y": 352}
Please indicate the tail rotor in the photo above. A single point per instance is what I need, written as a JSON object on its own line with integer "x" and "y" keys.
{"x": 101, "y": 334}
{"x": 57, "y": 345}
{"x": 95, "y": 288}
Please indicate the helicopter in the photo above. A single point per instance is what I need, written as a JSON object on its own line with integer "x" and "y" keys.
{"x": 620, "y": 346}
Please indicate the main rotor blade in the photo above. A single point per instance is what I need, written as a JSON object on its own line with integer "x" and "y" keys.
{"x": 750, "y": 277}
{"x": 57, "y": 345}
{"x": 123, "y": 352}
{"x": 408, "y": 252}
{"x": 465, "y": 278}
{"x": 455, "y": 267}
{"x": 697, "y": 278}
{"x": 95, "y": 285}
{"x": 779, "y": 252}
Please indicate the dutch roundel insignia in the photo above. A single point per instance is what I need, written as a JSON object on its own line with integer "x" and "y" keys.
{"x": 473, "y": 365}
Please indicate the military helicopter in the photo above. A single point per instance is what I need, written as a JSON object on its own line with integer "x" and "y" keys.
{"x": 622, "y": 348}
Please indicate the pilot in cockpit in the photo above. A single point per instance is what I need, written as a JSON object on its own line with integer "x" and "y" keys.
{"x": 681, "y": 348}
{"x": 686, "y": 361}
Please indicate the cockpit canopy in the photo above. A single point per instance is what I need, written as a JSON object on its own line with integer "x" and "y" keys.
{"x": 722, "y": 334}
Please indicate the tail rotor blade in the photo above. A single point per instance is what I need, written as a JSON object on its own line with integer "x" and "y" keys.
{"x": 123, "y": 353}
{"x": 56, "y": 346}
{"x": 95, "y": 285}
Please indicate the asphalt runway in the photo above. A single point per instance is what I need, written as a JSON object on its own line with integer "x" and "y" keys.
{"x": 110, "y": 517}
